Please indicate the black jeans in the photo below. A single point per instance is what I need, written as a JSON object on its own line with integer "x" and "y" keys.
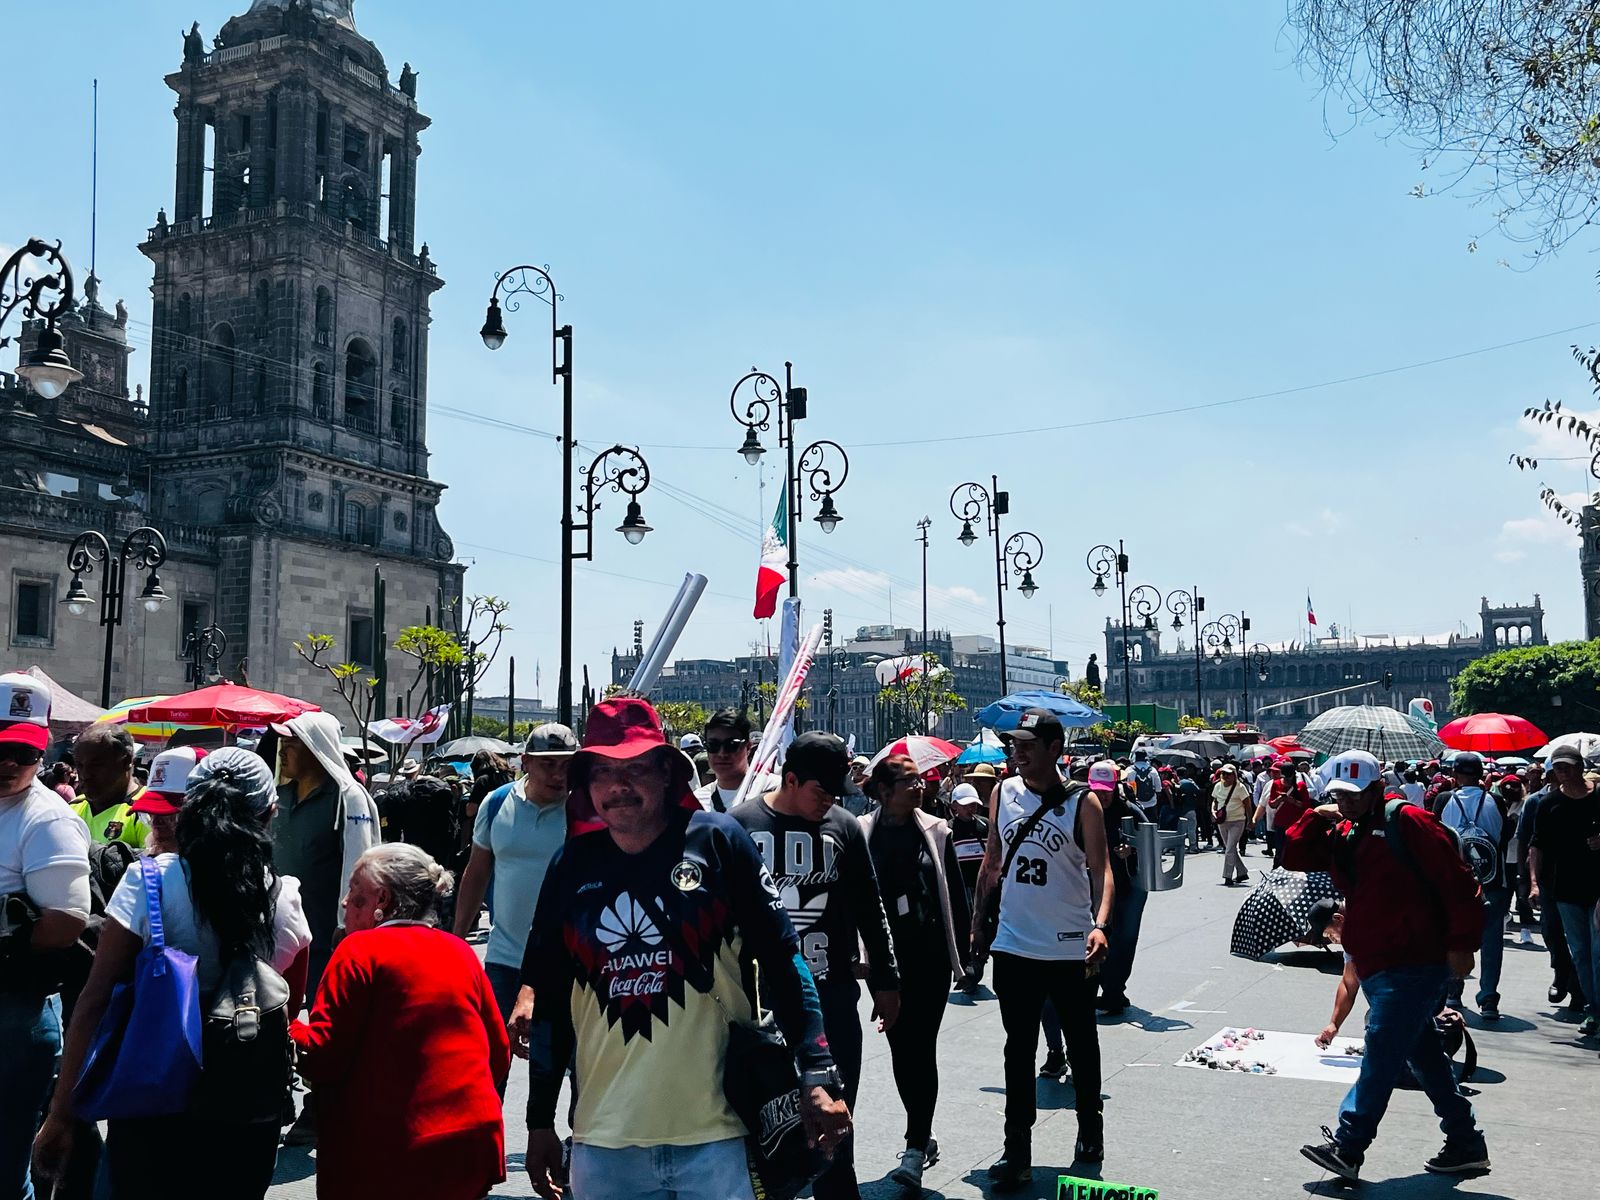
{"x": 913, "y": 1047}
{"x": 1127, "y": 915}
{"x": 187, "y": 1158}
{"x": 841, "y": 1021}
{"x": 1023, "y": 984}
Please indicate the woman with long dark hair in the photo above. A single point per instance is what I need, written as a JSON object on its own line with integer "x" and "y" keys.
{"x": 219, "y": 897}
{"x": 919, "y": 879}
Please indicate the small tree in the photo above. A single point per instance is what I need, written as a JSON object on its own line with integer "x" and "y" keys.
{"x": 1192, "y": 723}
{"x": 483, "y": 726}
{"x": 679, "y": 717}
{"x": 355, "y": 687}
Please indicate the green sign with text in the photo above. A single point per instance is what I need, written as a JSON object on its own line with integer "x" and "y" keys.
{"x": 1069, "y": 1188}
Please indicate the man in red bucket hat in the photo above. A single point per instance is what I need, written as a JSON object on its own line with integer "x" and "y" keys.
{"x": 634, "y": 962}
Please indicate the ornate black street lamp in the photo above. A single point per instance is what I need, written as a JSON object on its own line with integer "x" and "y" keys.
{"x": 204, "y": 649}
{"x": 1259, "y": 660}
{"x": 144, "y": 550}
{"x": 529, "y": 280}
{"x": 1019, "y": 553}
{"x": 1105, "y": 563}
{"x": 1190, "y": 604}
{"x": 46, "y": 366}
{"x": 821, "y": 467}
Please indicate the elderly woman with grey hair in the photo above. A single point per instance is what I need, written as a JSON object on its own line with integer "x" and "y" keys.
{"x": 404, "y": 1044}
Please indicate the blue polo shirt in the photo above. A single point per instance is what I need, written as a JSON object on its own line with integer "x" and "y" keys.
{"x": 523, "y": 837}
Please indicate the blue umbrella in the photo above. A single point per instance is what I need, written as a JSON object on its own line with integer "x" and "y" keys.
{"x": 981, "y": 752}
{"x": 1005, "y": 713}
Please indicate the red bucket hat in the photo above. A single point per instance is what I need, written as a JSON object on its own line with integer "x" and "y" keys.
{"x": 621, "y": 728}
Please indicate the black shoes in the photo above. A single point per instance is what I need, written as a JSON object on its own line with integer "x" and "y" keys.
{"x": 1556, "y": 994}
{"x": 1458, "y": 1158}
{"x": 1330, "y": 1156}
{"x": 1112, "y": 1005}
{"x": 1054, "y": 1066}
{"x": 1013, "y": 1170}
{"x": 1091, "y": 1147}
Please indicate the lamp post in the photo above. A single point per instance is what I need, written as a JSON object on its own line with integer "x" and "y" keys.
{"x": 1102, "y": 561}
{"x": 824, "y": 464}
{"x": 46, "y": 366}
{"x": 1190, "y": 604}
{"x": 840, "y": 658}
{"x": 1022, "y": 551}
{"x": 1259, "y": 660}
{"x": 1221, "y": 635}
{"x": 144, "y": 550}
{"x": 922, "y": 530}
{"x": 529, "y": 280}
{"x": 204, "y": 649}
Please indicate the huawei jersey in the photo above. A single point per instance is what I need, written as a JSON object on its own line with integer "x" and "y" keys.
{"x": 1046, "y": 904}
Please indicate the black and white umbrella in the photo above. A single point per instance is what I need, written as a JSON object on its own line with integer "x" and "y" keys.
{"x": 1206, "y": 745}
{"x": 1381, "y": 731}
{"x": 1278, "y": 911}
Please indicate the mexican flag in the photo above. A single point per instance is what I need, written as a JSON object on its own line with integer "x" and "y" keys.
{"x": 774, "y": 569}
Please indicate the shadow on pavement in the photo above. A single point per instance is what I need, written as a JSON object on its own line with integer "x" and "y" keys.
{"x": 1504, "y": 1025}
{"x": 294, "y": 1164}
{"x": 1043, "y": 1186}
{"x": 1320, "y": 960}
{"x": 1143, "y": 1018}
{"x": 1407, "y": 1187}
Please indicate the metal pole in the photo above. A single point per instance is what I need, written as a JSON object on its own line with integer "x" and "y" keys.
{"x": 1244, "y": 652}
{"x": 1127, "y": 652}
{"x": 110, "y": 617}
{"x": 380, "y": 639}
{"x": 791, "y": 481}
{"x": 564, "y": 686}
{"x": 511, "y": 701}
{"x": 923, "y": 525}
{"x": 1199, "y": 696}
{"x": 999, "y": 578}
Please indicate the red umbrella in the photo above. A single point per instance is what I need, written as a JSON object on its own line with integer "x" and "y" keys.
{"x": 1287, "y": 744}
{"x": 1492, "y": 733}
{"x": 926, "y": 752}
{"x": 223, "y": 704}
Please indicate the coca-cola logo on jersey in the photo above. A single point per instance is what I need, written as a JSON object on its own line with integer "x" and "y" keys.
{"x": 645, "y": 983}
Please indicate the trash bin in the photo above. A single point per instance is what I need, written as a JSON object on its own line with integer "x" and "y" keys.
{"x": 1161, "y": 854}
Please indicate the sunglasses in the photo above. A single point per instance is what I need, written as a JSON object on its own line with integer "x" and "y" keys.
{"x": 24, "y": 756}
{"x": 728, "y": 746}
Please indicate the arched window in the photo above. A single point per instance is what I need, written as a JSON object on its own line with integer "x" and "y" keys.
{"x": 398, "y": 346}
{"x": 180, "y": 389}
{"x": 321, "y": 395}
{"x": 360, "y": 386}
{"x": 219, "y": 356}
{"x": 324, "y": 317}
{"x": 353, "y": 200}
{"x": 185, "y": 312}
{"x": 399, "y": 417}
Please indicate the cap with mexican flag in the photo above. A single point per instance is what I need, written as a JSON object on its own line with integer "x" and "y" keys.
{"x": 774, "y": 567}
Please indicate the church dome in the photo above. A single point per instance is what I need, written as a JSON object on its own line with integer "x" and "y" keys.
{"x": 341, "y": 12}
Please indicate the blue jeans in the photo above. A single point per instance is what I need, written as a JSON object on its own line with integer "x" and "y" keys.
{"x": 710, "y": 1171}
{"x": 1401, "y": 1004}
{"x": 30, "y": 1044}
{"x": 1583, "y": 943}
{"x": 1492, "y": 950}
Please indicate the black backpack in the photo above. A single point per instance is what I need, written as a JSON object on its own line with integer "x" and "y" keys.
{"x": 246, "y": 1055}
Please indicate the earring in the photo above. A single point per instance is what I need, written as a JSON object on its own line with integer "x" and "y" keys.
{"x": 377, "y": 914}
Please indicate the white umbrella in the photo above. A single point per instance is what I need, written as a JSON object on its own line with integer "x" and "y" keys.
{"x": 1587, "y": 744}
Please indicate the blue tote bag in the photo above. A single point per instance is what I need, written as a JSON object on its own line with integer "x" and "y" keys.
{"x": 145, "y": 1058}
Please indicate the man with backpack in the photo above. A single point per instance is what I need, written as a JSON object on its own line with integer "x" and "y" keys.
{"x": 1413, "y": 920}
{"x": 1482, "y": 833}
{"x": 1145, "y": 786}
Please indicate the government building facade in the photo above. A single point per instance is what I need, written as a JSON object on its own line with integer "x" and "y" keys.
{"x": 281, "y": 450}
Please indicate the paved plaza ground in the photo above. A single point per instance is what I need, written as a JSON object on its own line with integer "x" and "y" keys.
{"x": 1206, "y": 1135}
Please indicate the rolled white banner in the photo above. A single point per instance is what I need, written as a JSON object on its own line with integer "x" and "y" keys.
{"x": 767, "y": 754}
{"x": 661, "y": 646}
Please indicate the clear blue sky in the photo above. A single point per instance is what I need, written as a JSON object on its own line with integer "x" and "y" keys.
{"x": 960, "y": 231}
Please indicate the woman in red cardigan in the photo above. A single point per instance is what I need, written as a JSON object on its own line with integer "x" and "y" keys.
{"x": 405, "y": 1045}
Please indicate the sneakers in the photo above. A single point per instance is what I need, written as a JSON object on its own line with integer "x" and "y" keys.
{"x": 1112, "y": 1005}
{"x": 1589, "y": 1026}
{"x": 1054, "y": 1066}
{"x": 304, "y": 1130}
{"x": 1330, "y": 1156}
{"x": 1489, "y": 1010}
{"x": 1556, "y": 994}
{"x": 913, "y": 1162}
{"x": 1524, "y": 937}
{"x": 1091, "y": 1146}
{"x": 1459, "y": 1157}
{"x": 1011, "y": 1171}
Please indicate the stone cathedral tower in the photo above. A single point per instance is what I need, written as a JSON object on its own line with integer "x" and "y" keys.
{"x": 288, "y": 370}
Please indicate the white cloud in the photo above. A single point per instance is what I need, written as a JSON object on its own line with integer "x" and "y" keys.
{"x": 954, "y": 595}
{"x": 1548, "y": 441}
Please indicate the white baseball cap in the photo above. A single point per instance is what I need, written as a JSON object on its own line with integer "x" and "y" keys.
{"x": 1352, "y": 771}
{"x": 690, "y": 742}
{"x": 1104, "y": 776}
{"x": 24, "y": 710}
{"x": 965, "y": 793}
{"x": 169, "y": 780}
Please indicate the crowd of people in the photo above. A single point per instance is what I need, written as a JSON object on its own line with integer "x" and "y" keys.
{"x": 636, "y": 889}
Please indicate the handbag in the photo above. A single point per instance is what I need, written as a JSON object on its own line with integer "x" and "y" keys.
{"x": 146, "y": 1055}
{"x": 762, "y": 1086}
{"x": 987, "y": 919}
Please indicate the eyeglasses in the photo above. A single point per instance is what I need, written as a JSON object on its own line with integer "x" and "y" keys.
{"x": 904, "y": 780}
{"x": 728, "y": 746}
{"x": 23, "y": 756}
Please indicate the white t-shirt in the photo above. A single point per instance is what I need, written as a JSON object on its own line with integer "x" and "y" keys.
{"x": 1415, "y": 793}
{"x": 44, "y": 851}
{"x": 183, "y": 928}
{"x": 706, "y": 791}
{"x": 1046, "y": 904}
{"x": 1475, "y": 806}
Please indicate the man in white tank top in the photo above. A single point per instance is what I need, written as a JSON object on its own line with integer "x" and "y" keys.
{"x": 1055, "y": 905}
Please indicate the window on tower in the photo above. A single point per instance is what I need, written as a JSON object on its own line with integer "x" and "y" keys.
{"x": 360, "y": 387}
{"x": 219, "y": 356}
{"x": 321, "y": 395}
{"x": 324, "y": 317}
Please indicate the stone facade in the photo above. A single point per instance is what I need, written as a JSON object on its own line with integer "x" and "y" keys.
{"x": 283, "y": 448}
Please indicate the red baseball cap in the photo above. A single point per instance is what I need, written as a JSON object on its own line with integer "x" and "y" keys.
{"x": 24, "y": 711}
{"x": 169, "y": 781}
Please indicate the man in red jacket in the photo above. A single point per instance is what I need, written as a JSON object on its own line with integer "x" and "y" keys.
{"x": 1413, "y": 918}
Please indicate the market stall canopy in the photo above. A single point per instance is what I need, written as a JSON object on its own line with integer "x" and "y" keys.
{"x": 69, "y": 713}
{"x": 225, "y": 704}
